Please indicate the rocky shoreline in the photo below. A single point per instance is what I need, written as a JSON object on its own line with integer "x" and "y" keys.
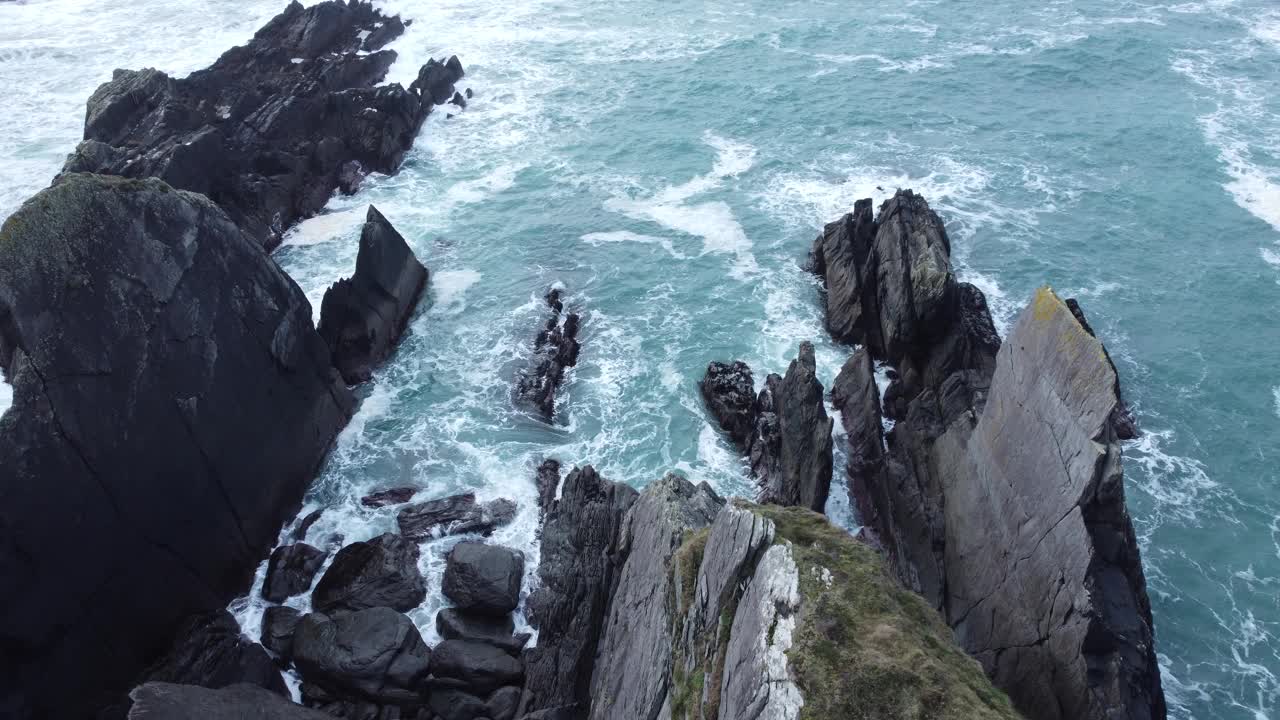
{"x": 173, "y": 401}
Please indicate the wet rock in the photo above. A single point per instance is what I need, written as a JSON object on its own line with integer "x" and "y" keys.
{"x": 580, "y": 538}
{"x": 730, "y": 395}
{"x": 375, "y": 654}
{"x": 168, "y": 701}
{"x": 362, "y": 318}
{"x": 458, "y": 100}
{"x": 291, "y": 570}
{"x": 548, "y": 483}
{"x": 800, "y": 472}
{"x": 202, "y": 347}
{"x": 455, "y": 624}
{"x": 211, "y": 652}
{"x": 454, "y": 515}
{"x": 840, "y": 254}
{"x": 633, "y": 665}
{"x": 483, "y": 579}
{"x": 856, "y": 396}
{"x": 502, "y": 704}
{"x": 481, "y": 667}
{"x": 382, "y": 572}
{"x": 912, "y": 264}
{"x": 393, "y": 496}
{"x": 300, "y": 532}
{"x": 554, "y": 351}
{"x": 278, "y": 626}
{"x": 267, "y": 131}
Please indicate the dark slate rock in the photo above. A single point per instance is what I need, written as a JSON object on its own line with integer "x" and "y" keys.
{"x": 300, "y": 532}
{"x": 503, "y": 703}
{"x": 211, "y": 652}
{"x": 278, "y": 626}
{"x": 201, "y": 346}
{"x": 382, "y": 572}
{"x": 912, "y": 265}
{"x": 794, "y": 464}
{"x": 453, "y": 704}
{"x": 374, "y": 654}
{"x": 291, "y": 570}
{"x": 578, "y": 565}
{"x": 855, "y": 395}
{"x": 482, "y": 667}
{"x": 455, "y": 624}
{"x": 840, "y": 255}
{"x": 730, "y": 395}
{"x": 483, "y": 579}
{"x": 554, "y": 351}
{"x": 266, "y": 138}
{"x": 392, "y": 496}
{"x": 548, "y": 482}
{"x": 362, "y": 318}
{"x": 167, "y": 701}
{"x": 383, "y": 33}
{"x": 454, "y": 515}
{"x": 1124, "y": 421}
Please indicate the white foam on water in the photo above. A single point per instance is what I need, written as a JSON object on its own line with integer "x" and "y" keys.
{"x": 493, "y": 182}
{"x": 6, "y": 397}
{"x": 1275, "y": 393}
{"x": 1266, "y": 28}
{"x": 326, "y": 227}
{"x": 450, "y": 287}
{"x": 621, "y": 236}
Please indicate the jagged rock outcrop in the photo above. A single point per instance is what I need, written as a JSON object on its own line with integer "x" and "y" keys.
{"x": 840, "y": 255}
{"x": 167, "y": 701}
{"x": 483, "y": 579}
{"x": 857, "y": 396}
{"x": 785, "y": 431}
{"x": 200, "y": 346}
{"x": 290, "y": 571}
{"x": 547, "y": 480}
{"x": 580, "y": 541}
{"x": 374, "y": 655}
{"x": 632, "y": 675}
{"x": 382, "y": 572}
{"x": 554, "y": 351}
{"x": 271, "y": 129}
{"x": 362, "y": 317}
{"x": 390, "y": 496}
{"x": 1125, "y": 423}
{"x": 454, "y": 515}
{"x": 211, "y": 652}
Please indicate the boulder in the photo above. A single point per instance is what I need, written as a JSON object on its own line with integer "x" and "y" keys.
{"x": 362, "y": 317}
{"x": 730, "y": 395}
{"x": 300, "y": 532}
{"x": 271, "y": 129}
{"x": 291, "y": 570}
{"x": 455, "y": 624}
{"x": 374, "y": 654}
{"x": 167, "y": 701}
{"x": 278, "y": 626}
{"x": 554, "y": 351}
{"x": 480, "y": 667}
{"x": 483, "y": 579}
{"x": 580, "y": 539}
{"x": 454, "y": 515}
{"x": 633, "y": 666}
{"x": 211, "y": 652}
{"x": 794, "y": 467}
{"x": 382, "y": 572}
{"x": 392, "y": 496}
{"x": 202, "y": 346}
{"x": 453, "y": 704}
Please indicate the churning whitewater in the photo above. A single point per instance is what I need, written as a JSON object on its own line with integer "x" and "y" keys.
{"x": 668, "y": 168}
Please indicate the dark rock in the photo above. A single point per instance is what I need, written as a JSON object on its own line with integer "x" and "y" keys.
{"x": 383, "y": 33}
{"x": 548, "y": 482}
{"x": 482, "y": 667}
{"x": 483, "y": 579}
{"x": 300, "y": 532}
{"x": 202, "y": 347}
{"x": 211, "y": 652}
{"x": 454, "y": 515}
{"x": 362, "y": 318}
{"x": 167, "y": 701}
{"x": 554, "y": 351}
{"x": 458, "y": 100}
{"x": 382, "y": 572}
{"x": 502, "y": 704}
{"x": 730, "y": 394}
{"x": 291, "y": 570}
{"x": 800, "y": 474}
{"x": 452, "y": 704}
{"x": 469, "y": 94}
{"x": 577, "y": 570}
{"x": 855, "y": 395}
{"x": 267, "y": 131}
{"x": 375, "y": 654}
{"x": 840, "y": 255}
{"x": 278, "y": 626}
{"x": 435, "y": 80}
{"x": 393, "y": 496}
{"x": 455, "y": 624}
{"x": 1124, "y": 421}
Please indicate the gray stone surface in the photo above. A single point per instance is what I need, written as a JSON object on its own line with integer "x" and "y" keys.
{"x": 480, "y": 667}
{"x": 382, "y": 572}
{"x": 633, "y": 665}
{"x": 912, "y": 263}
{"x": 291, "y": 570}
{"x": 454, "y": 515}
{"x": 800, "y": 474}
{"x": 169, "y": 701}
{"x": 855, "y": 394}
{"x": 374, "y": 654}
{"x": 483, "y": 578}
{"x": 840, "y": 255}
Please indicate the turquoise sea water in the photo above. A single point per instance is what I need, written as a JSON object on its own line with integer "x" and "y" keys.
{"x": 669, "y": 164}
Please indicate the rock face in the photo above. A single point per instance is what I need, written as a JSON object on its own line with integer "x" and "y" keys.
{"x": 454, "y": 515}
{"x": 382, "y": 572}
{"x": 480, "y": 667}
{"x": 362, "y": 317}
{"x": 785, "y": 430}
{"x": 272, "y": 128}
{"x": 210, "y": 652}
{"x": 455, "y": 624}
{"x": 855, "y": 393}
{"x": 554, "y": 351}
{"x": 547, "y": 480}
{"x": 374, "y": 654}
{"x": 840, "y": 255}
{"x": 633, "y": 665}
{"x": 167, "y": 701}
{"x": 291, "y": 570}
{"x": 392, "y": 496}
{"x": 202, "y": 347}
{"x": 483, "y": 579}
{"x": 580, "y": 539}
{"x": 278, "y": 626}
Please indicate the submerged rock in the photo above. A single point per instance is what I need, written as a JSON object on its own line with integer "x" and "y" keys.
{"x": 554, "y": 351}
{"x": 168, "y": 701}
{"x": 374, "y": 654}
{"x": 272, "y": 128}
{"x": 454, "y": 515}
{"x": 362, "y": 318}
{"x": 210, "y": 652}
{"x": 291, "y": 570}
{"x": 382, "y": 572}
{"x": 482, "y": 578}
{"x": 201, "y": 347}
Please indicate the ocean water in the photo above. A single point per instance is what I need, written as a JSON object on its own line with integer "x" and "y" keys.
{"x": 669, "y": 165}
